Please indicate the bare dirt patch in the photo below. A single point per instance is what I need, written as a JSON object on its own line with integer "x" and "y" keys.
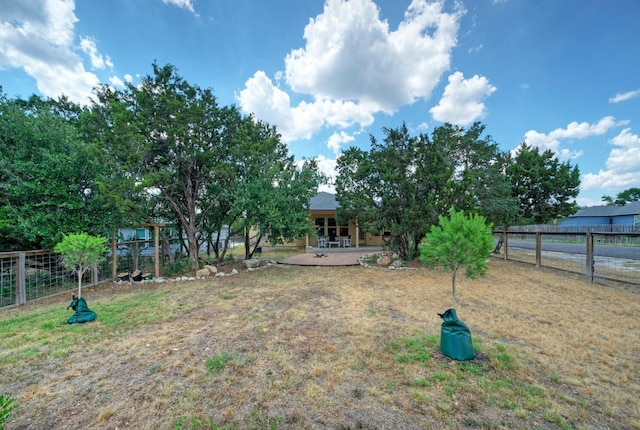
{"x": 331, "y": 347}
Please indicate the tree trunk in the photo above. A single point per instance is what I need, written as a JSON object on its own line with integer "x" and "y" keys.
{"x": 247, "y": 244}
{"x": 453, "y": 287}
{"x": 496, "y": 250}
{"x": 80, "y": 274}
{"x": 192, "y": 244}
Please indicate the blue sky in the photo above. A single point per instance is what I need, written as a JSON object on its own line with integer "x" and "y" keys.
{"x": 561, "y": 75}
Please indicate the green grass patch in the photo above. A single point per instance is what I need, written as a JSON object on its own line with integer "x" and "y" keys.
{"x": 44, "y": 332}
{"x": 492, "y": 376}
{"x": 216, "y": 364}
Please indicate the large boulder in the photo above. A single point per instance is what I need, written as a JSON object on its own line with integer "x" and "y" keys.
{"x": 252, "y": 263}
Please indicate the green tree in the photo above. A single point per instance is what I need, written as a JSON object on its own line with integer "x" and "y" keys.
{"x": 458, "y": 242}
{"x": 626, "y": 196}
{"x": 400, "y": 185}
{"x": 80, "y": 252}
{"x": 48, "y": 175}
{"x": 207, "y": 165}
{"x": 545, "y": 188}
{"x": 271, "y": 192}
{"x": 171, "y": 141}
{"x": 404, "y": 183}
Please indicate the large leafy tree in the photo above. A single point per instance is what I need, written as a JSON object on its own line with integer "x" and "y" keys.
{"x": 545, "y": 187}
{"x": 627, "y": 196}
{"x": 48, "y": 175}
{"x": 171, "y": 138}
{"x": 209, "y": 165}
{"x": 270, "y": 193}
{"x": 403, "y": 184}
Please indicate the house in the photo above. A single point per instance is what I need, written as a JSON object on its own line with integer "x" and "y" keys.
{"x": 322, "y": 210}
{"x": 606, "y": 218}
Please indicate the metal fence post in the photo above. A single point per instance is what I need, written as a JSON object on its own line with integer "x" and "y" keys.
{"x": 589, "y": 255}
{"x": 94, "y": 274}
{"x": 21, "y": 291}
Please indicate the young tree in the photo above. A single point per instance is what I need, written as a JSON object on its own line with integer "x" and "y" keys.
{"x": 80, "y": 252}
{"x": 458, "y": 242}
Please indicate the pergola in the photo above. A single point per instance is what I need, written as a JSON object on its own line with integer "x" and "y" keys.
{"x": 156, "y": 246}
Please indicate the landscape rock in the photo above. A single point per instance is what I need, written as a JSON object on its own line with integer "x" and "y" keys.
{"x": 384, "y": 260}
{"x": 203, "y": 273}
{"x": 251, "y": 263}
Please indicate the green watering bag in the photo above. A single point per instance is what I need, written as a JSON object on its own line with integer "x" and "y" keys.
{"x": 82, "y": 312}
{"x": 455, "y": 337}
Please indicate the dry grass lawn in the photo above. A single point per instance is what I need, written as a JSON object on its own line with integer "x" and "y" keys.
{"x": 329, "y": 348}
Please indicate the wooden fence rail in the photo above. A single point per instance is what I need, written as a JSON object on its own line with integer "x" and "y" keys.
{"x": 596, "y": 254}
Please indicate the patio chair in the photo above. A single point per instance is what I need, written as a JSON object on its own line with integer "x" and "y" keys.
{"x": 322, "y": 242}
{"x": 346, "y": 242}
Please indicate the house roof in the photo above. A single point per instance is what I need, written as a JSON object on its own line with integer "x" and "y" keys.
{"x": 632, "y": 208}
{"x": 323, "y": 201}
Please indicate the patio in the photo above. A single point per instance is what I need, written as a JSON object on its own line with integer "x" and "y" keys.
{"x": 315, "y": 256}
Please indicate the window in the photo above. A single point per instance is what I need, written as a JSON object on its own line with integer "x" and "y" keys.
{"x": 320, "y": 226}
{"x": 344, "y": 231}
{"x": 141, "y": 234}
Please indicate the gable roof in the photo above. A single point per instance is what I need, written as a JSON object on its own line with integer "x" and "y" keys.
{"x": 632, "y": 208}
{"x": 323, "y": 201}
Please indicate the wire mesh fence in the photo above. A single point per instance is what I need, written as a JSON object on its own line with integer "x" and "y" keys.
{"x": 30, "y": 275}
{"x": 597, "y": 255}
{"x": 617, "y": 257}
{"x": 8, "y": 280}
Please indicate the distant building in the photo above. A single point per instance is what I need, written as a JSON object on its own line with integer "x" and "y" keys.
{"x": 607, "y": 218}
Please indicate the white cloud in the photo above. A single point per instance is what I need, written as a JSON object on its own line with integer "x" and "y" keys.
{"x": 354, "y": 66}
{"x": 351, "y": 54}
{"x": 461, "y": 102}
{"x": 273, "y": 105}
{"x": 622, "y": 165}
{"x": 327, "y": 166}
{"x": 573, "y": 131}
{"x": 184, "y": 4}
{"x": 98, "y": 61}
{"x": 621, "y": 97}
{"x": 38, "y": 36}
{"x": 336, "y": 140}
{"x": 116, "y": 82}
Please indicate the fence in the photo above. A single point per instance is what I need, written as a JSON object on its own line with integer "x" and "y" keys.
{"x": 30, "y": 275}
{"x": 596, "y": 228}
{"x": 597, "y": 255}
